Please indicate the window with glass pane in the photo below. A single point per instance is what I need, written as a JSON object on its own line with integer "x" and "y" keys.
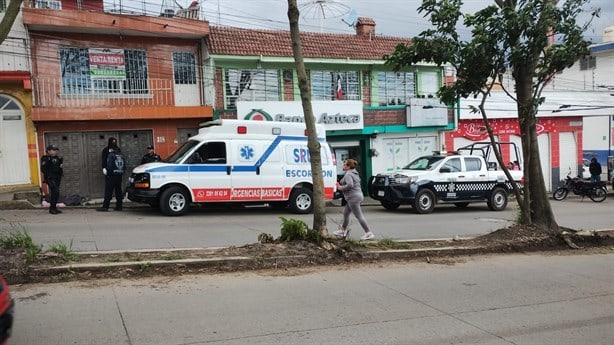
{"x": 429, "y": 83}
{"x": 325, "y": 85}
{"x": 184, "y": 68}
{"x": 76, "y": 77}
{"x": 2, "y": 5}
{"x": 251, "y": 85}
{"x": 395, "y": 88}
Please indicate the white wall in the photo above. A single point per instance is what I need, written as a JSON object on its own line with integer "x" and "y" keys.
{"x": 596, "y": 133}
{"x": 13, "y": 50}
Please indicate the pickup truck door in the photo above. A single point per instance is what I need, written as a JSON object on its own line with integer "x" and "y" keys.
{"x": 451, "y": 178}
{"x": 476, "y": 177}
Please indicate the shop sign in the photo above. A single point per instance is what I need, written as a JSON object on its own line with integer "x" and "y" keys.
{"x": 334, "y": 115}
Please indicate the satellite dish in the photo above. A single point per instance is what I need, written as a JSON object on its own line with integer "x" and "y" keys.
{"x": 351, "y": 18}
{"x": 322, "y": 9}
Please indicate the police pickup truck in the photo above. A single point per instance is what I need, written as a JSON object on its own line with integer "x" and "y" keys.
{"x": 461, "y": 178}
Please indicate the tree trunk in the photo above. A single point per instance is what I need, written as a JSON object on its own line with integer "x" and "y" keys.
{"x": 9, "y": 18}
{"x": 319, "y": 205}
{"x": 538, "y": 210}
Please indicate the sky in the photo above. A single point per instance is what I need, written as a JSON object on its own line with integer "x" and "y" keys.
{"x": 393, "y": 17}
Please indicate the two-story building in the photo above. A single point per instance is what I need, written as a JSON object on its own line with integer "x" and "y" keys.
{"x": 18, "y": 150}
{"x": 99, "y": 73}
{"x": 378, "y": 116}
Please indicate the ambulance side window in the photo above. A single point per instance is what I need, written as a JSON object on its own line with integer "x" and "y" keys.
{"x": 210, "y": 153}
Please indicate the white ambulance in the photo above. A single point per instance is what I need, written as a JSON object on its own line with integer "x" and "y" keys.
{"x": 238, "y": 161}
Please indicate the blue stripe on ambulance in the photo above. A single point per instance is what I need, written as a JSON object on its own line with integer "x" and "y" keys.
{"x": 237, "y": 168}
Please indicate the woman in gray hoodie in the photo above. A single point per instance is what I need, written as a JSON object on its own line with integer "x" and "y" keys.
{"x": 350, "y": 187}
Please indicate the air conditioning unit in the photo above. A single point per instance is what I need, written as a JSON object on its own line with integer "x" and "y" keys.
{"x": 49, "y": 4}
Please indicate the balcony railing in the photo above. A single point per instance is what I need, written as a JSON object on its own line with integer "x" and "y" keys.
{"x": 85, "y": 92}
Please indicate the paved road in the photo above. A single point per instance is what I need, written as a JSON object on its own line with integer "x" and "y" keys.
{"x": 145, "y": 228}
{"x": 499, "y": 300}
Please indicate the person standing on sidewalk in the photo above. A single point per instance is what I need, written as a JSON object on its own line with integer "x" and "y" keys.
{"x": 151, "y": 156}
{"x": 350, "y": 186}
{"x": 114, "y": 170}
{"x": 52, "y": 168}
{"x": 105, "y": 153}
{"x": 595, "y": 169}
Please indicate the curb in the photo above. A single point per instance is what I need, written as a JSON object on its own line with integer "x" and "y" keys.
{"x": 245, "y": 262}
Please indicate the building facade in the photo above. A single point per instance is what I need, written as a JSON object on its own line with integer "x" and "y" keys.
{"x": 18, "y": 150}
{"x": 371, "y": 113}
{"x": 99, "y": 73}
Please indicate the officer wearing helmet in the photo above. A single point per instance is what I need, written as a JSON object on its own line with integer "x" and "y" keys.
{"x": 52, "y": 169}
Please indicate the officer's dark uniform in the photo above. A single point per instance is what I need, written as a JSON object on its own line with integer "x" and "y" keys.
{"x": 52, "y": 169}
{"x": 113, "y": 182}
{"x": 150, "y": 157}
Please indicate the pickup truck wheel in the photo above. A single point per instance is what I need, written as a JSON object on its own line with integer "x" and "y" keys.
{"x": 424, "y": 202}
{"x": 390, "y": 205}
{"x": 461, "y": 204}
{"x": 301, "y": 201}
{"x": 174, "y": 201}
{"x": 497, "y": 200}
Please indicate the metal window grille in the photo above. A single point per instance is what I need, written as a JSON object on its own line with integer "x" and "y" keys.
{"x": 76, "y": 79}
{"x": 395, "y": 88}
{"x": 184, "y": 68}
{"x": 324, "y": 85}
{"x": 251, "y": 85}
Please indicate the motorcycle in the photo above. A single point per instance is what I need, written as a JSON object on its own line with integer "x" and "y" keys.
{"x": 597, "y": 191}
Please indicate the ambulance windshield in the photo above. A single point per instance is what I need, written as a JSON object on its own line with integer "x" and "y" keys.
{"x": 181, "y": 152}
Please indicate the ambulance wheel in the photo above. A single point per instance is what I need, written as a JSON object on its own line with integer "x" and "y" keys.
{"x": 174, "y": 201}
{"x": 301, "y": 200}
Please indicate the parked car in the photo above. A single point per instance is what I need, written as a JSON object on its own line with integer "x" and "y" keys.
{"x": 586, "y": 174}
{"x": 6, "y": 312}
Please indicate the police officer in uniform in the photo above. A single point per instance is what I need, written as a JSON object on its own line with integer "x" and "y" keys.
{"x": 52, "y": 169}
{"x": 113, "y": 181}
{"x": 151, "y": 156}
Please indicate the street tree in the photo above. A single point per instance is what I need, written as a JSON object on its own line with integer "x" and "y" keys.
{"x": 12, "y": 10}
{"x": 319, "y": 205}
{"x": 531, "y": 40}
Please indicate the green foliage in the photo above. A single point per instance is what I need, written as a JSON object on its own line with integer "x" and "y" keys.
{"x": 171, "y": 257}
{"x": 17, "y": 238}
{"x": 387, "y": 243}
{"x": 293, "y": 229}
{"x": 529, "y": 40}
{"x": 64, "y": 250}
{"x": 263, "y": 237}
{"x": 314, "y": 236}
